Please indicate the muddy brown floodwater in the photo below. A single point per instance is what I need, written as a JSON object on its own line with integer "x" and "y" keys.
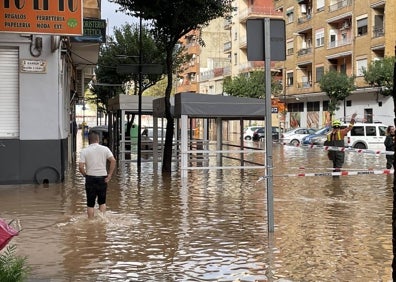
{"x": 213, "y": 226}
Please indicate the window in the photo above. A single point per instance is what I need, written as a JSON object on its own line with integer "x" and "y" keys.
{"x": 325, "y": 105}
{"x": 362, "y": 27}
{"x": 319, "y": 38}
{"x": 349, "y": 103}
{"x": 290, "y": 48}
{"x": 382, "y": 130}
{"x": 361, "y": 65}
{"x": 235, "y": 58}
{"x": 295, "y": 107}
{"x": 319, "y": 73}
{"x": 9, "y": 98}
{"x": 343, "y": 68}
{"x": 290, "y": 15}
{"x": 371, "y": 131}
{"x": 357, "y": 131}
{"x": 289, "y": 78}
{"x": 313, "y": 106}
{"x": 320, "y": 5}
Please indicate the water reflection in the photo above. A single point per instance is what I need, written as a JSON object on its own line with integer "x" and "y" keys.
{"x": 212, "y": 227}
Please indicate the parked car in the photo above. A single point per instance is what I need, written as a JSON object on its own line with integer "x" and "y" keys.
{"x": 318, "y": 139}
{"x": 323, "y": 131}
{"x": 296, "y": 135}
{"x": 366, "y": 136}
{"x": 248, "y": 132}
{"x": 259, "y": 134}
{"x": 362, "y": 136}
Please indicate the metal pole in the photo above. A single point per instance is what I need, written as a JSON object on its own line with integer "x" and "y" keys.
{"x": 139, "y": 149}
{"x": 268, "y": 126}
{"x": 394, "y": 182}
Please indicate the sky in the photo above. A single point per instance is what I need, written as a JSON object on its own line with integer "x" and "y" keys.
{"x": 113, "y": 19}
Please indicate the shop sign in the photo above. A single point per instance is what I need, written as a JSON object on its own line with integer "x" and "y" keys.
{"x": 94, "y": 31}
{"x": 60, "y": 17}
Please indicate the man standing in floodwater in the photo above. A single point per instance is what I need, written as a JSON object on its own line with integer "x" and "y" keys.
{"x": 336, "y": 138}
{"x": 93, "y": 166}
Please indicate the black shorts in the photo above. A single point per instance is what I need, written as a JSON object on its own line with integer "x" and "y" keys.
{"x": 95, "y": 187}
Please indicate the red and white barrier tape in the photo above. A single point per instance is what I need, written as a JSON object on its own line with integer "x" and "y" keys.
{"x": 342, "y": 149}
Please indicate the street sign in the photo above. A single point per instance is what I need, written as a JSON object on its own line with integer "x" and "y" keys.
{"x": 255, "y": 40}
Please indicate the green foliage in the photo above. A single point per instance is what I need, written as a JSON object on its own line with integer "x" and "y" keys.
{"x": 123, "y": 48}
{"x": 170, "y": 21}
{"x": 249, "y": 85}
{"x": 380, "y": 74}
{"x": 338, "y": 86}
{"x": 13, "y": 268}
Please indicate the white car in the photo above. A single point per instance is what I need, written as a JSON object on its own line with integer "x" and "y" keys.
{"x": 248, "y": 132}
{"x": 296, "y": 135}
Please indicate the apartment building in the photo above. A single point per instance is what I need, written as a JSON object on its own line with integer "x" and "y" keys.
{"x": 187, "y": 80}
{"x": 341, "y": 35}
{"x": 321, "y": 35}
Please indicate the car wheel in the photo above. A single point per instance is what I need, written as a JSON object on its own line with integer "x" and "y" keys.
{"x": 359, "y": 146}
{"x": 248, "y": 138}
{"x": 295, "y": 142}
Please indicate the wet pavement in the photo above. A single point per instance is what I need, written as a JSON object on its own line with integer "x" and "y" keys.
{"x": 212, "y": 227}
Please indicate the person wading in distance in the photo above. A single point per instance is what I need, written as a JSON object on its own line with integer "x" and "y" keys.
{"x": 93, "y": 166}
{"x": 335, "y": 138}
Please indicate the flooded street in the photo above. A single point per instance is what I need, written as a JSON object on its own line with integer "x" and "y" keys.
{"x": 212, "y": 227}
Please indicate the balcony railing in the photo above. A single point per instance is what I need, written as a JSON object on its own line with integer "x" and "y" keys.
{"x": 227, "y": 46}
{"x": 339, "y": 5}
{"x": 227, "y": 23}
{"x": 339, "y": 43}
{"x": 262, "y": 11}
{"x": 378, "y": 31}
{"x": 304, "y": 51}
{"x": 304, "y": 19}
{"x": 304, "y": 84}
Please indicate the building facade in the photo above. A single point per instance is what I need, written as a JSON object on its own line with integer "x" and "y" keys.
{"x": 321, "y": 35}
{"x": 43, "y": 76}
{"x": 341, "y": 35}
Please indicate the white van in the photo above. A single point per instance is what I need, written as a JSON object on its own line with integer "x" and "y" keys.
{"x": 367, "y": 136}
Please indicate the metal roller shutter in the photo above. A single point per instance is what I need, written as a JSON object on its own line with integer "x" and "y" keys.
{"x": 9, "y": 93}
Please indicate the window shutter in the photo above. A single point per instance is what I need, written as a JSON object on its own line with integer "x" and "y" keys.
{"x": 9, "y": 94}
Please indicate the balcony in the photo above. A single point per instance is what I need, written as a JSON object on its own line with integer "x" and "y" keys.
{"x": 304, "y": 51}
{"x": 304, "y": 19}
{"x": 250, "y": 66}
{"x": 339, "y": 5}
{"x": 258, "y": 12}
{"x": 339, "y": 43}
{"x": 227, "y": 47}
{"x": 378, "y": 31}
{"x": 304, "y": 84}
{"x": 227, "y": 24}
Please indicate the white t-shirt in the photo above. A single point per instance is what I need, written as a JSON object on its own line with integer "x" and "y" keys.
{"x": 95, "y": 158}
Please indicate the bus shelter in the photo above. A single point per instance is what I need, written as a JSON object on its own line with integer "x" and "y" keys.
{"x": 190, "y": 105}
{"x": 122, "y": 109}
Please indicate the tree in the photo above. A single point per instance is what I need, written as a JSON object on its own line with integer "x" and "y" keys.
{"x": 250, "y": 85}
{"x": 380, "y": 74}
{"x": 338, "y": 86}
{"x": 171, "y": 20}
{"x": 123, "y": 48}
